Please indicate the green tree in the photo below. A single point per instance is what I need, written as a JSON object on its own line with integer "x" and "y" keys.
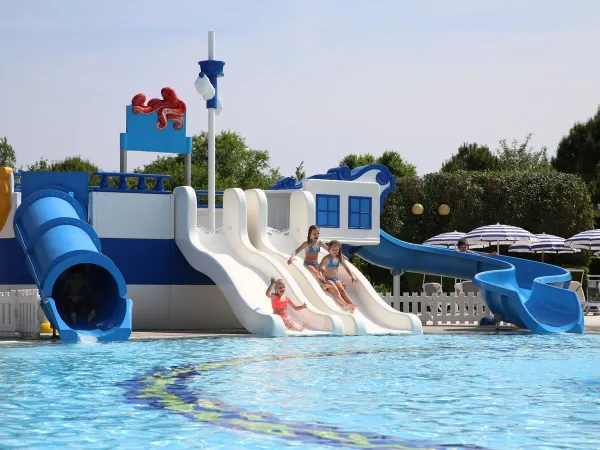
{"x": 393, "y": 160}
{"x": 579, "y": 153}
{"x": 522, "y": 156}
{"x": 352, "y": 161}
{"x": 69, "y": 164}
{"x": 236, "y": 164}
{"x": 8, "y": 157}
{"x": 300, "y": 173}
{"x": 471, "y": 157}
{"x": 397, "y": 165}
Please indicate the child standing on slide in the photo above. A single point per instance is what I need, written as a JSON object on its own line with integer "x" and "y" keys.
{"x": 279, "y": 302}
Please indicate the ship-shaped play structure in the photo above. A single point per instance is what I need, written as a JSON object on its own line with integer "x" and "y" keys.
{"x": 153, "y": 261}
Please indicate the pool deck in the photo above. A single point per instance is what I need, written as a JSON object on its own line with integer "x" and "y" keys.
{"x": 592, "y": 325}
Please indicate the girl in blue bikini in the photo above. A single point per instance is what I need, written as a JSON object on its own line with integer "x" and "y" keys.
{"x": 330, "y": 267}
{"x": 312, "y": 248}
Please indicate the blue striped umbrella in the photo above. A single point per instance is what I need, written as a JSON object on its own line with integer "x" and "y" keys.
{"x": 548, "y": 243}
{"x": 586, "y": 240}
{"x": 448, "y": 240}
{"x": 499, "y": 235}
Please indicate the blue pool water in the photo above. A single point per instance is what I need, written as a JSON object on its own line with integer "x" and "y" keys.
{"x": 432, "y": 391}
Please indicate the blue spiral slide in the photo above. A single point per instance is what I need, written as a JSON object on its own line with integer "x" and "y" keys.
{"x": 51, "y": 228}
{"x": 529, "y": 294}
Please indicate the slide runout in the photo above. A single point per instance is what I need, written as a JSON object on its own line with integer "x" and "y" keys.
{"x": 51, "y": 228}
{"x": 241, "y": 272}
{"x": 258, "y": 234}
{"x": 374, "y": 309}
{"x": 525, "y": 293}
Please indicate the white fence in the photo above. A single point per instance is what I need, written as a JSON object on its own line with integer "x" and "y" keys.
{"x": 445, "y": 309}
{"x": 20, "y": 313}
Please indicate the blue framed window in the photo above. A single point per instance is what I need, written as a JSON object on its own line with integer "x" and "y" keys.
{"x": 328, "y": 211}
{"x": 359, "y": 212}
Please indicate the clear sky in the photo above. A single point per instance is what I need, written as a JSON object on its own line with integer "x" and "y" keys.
{"x": 306, "y": 80}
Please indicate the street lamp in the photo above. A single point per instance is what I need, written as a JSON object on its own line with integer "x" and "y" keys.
{"x": 443, "y": 210}
{"x": 417, "y": 209}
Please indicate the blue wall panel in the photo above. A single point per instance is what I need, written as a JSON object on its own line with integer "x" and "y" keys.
{"x": 152, "y": 261}
{"x": 141, "y": 261}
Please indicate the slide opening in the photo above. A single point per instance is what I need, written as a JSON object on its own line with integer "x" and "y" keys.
{"x": 83, "y": 288}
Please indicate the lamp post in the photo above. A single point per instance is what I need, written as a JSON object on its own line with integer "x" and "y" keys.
{"x": 211, "y": 69}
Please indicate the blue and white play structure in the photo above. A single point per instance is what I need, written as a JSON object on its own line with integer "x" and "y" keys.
{"x": 160, "y": 260}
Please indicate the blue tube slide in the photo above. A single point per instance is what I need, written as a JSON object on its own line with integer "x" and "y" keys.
{"x": 51, "y": 227}
{"x": 529, "y": 294}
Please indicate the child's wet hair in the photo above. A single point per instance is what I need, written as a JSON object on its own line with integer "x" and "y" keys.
{"x": 279, "y": 282}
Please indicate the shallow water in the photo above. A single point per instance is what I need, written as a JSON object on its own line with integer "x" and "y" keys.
{"x": 487, "y": 391}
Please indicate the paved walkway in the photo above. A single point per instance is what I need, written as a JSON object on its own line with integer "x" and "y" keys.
{"x": 592, "y": 325}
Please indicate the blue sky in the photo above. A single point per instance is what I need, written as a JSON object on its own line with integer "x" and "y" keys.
{"x": 306, "y": 80}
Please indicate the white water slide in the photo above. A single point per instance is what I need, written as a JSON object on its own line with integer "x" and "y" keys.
{"x": 241, "y": 271}
{"x": 373, "y": 315}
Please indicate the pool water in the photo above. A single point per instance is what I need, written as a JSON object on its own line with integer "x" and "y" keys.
{"x": 432, "y": 391}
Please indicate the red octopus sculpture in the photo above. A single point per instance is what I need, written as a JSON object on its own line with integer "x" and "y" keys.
{"x": 170, "y": 108}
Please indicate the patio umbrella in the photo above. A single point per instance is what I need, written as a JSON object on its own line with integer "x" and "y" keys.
{"x": 447, "y": 240}
{"x": 548, "y": 243}
{"x": 499, "y": 235}
{"x": 586, "y": 240}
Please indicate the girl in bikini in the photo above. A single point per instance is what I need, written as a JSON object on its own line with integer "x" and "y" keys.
{"x": 279, "y": 302}
{"x": 330, "y": 267}
{"x": 312, "y": 248}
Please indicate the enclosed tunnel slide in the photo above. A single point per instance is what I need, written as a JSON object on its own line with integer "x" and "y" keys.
{"x": 51, "y": 227}
{"x": 242, "y": 272}
{"x": 529, "y": 294}
{"x": 373, "y": 316}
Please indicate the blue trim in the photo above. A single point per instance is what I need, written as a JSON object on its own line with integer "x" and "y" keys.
{"x": 327, "y": 211}
{"x": 141, "y": 187}
{"x": 368, "y": 212}
{"x": 344, "y": 174}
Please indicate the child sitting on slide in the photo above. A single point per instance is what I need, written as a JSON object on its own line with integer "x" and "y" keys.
{"x": 279, "y": 302}
{"x": 330, "y": 267}
{"x": 312, "y": 248}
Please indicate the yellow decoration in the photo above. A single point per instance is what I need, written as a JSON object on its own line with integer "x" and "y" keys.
{"x": 45, "y": 327}
{"x": 5, "y": 189}
{"x": 444, "y": 210}
{"x": 417, "y": 209}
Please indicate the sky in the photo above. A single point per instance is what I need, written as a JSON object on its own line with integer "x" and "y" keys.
{"x": 306, "y": 80}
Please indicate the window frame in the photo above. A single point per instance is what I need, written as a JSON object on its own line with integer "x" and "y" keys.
{"x": 327, "y": 211}
{"x": 360, "y": 212}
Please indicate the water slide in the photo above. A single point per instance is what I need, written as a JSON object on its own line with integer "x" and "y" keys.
{"x": 50, "y": 226}
{"x": 373, "y": 315}
{"x": 529, "y": 294}
{"x": 241, "y": 271}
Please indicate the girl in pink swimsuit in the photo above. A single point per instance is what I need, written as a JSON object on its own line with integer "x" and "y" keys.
{"x": 279, "y": 303}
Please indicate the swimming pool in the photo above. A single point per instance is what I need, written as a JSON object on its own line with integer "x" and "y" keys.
{"x": 431, "y": 391}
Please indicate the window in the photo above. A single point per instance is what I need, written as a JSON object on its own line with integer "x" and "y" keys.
{"x": 359, "y": 212}
{"x": 328, "y": 211}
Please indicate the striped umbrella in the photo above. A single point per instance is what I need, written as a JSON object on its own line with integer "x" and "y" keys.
{"x": 586, "y": 240}
{"x": 548, "y": 243}
{"x": 447, "y": 240}
{"x": 499, "y": 235}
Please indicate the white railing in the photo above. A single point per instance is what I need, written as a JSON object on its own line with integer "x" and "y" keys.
{"x": 20, "y": 313}
{"x": 445, "y": 309}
